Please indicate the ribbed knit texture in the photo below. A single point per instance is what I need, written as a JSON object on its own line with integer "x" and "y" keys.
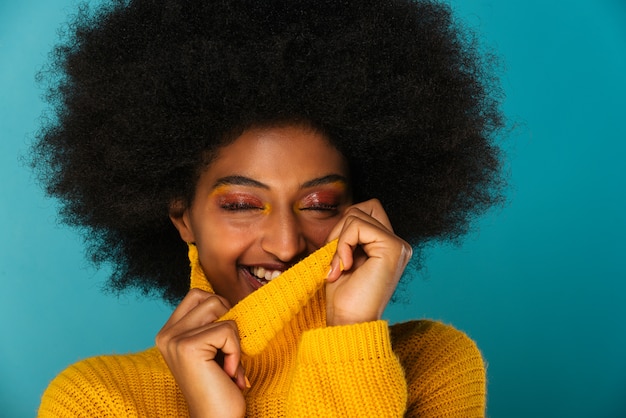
{"x": 298, "y": 367}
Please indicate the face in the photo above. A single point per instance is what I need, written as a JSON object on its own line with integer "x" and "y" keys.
{"x": 269, "y": 198}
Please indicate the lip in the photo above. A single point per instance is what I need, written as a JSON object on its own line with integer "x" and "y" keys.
{"x": 252, "y": 281}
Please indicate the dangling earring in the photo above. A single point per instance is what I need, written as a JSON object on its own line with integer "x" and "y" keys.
{"x": 198, "y": 279}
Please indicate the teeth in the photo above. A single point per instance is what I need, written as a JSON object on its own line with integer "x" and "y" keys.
{"x": 267, "y": 275}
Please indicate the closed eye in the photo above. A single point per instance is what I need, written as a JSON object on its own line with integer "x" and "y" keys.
{"x": 240, "y": 206}
{"x": 321, "y": 207}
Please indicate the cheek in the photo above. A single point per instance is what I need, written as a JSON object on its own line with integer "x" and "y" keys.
{"x": 316, "y": 232}
{"x": 225, "y": 240}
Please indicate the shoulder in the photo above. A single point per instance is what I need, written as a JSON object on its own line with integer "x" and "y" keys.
{"x": 111, "y": 385}
{"x": 433, "y": 343}
{"x": 443, "y": 367}
{"x": 426, "y": 336}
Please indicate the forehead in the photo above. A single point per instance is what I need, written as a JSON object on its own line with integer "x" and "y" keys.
{"x": 276, "y": 155}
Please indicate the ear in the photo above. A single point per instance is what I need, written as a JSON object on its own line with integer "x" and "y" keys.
{"x": 180, "y": 217}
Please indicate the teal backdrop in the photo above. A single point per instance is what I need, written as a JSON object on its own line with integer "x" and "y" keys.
{"x": 540, "y": 284}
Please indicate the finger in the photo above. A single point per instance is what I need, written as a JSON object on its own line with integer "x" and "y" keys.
{"x": 193, "y": 298}
{"x": 373, "y": 209}
{"x": 204, "y": 344}
{"x": 370, "y": 211}
{"x": 241, "y": 380}
{"x": 197, "y": 311}
{"x": 358, "y": 233}
{"x": 229, "y": 349}
{"x": 373, "y": 241}
{"x": 196, "y": 320}
{"x": 227, "y": 341}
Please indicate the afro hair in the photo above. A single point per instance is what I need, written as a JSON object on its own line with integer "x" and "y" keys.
{"x": 143, "y": 92}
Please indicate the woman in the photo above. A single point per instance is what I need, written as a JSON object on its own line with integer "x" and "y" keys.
{"x": 280, "y": 149}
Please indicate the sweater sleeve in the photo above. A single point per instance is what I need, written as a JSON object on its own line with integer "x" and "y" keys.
{"x": 72, "y": 394}
{"x": 114, "y": 386}
{"x": 347, "y": 371}
{"x": 444, "y": 370}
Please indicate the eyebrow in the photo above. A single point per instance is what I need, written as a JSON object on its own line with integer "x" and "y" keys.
{"x": 247, "y": 181}
{"x": 239, "y": 181}
{"x": 331, "y": 178}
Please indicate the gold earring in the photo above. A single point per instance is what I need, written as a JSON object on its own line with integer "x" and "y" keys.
{"x": 198, "y": 279}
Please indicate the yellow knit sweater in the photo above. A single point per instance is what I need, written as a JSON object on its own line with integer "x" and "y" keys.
{"x": 297, "y": 366}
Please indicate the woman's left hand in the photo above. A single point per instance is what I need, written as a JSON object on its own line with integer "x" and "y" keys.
{"x": 367, "y": 266}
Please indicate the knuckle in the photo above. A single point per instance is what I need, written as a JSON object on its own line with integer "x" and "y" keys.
{"x": 160, "y": 341}
{"x": 232, "y": 325}
{"x": 185, "y": 346}
{"x": 352, "y": 220}
{"x": 407, "y": 251}
{"x": 215, "y": 305}
{"x": 351, "y": 210}
{"x": 163, "y": 338}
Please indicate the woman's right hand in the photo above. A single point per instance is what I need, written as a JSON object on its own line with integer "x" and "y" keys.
{"x": 193, "y": 345}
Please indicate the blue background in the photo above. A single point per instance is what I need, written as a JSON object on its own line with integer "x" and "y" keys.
{"x": 540, "y": 284}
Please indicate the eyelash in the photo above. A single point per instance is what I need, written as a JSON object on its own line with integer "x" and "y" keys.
{"x": 239, "y": 206}
{"x": 323, "y": 203}
{"x": 322, "y": 207}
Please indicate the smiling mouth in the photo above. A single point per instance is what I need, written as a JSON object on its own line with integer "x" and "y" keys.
{"x": 260, "y": 276}
{"x": 264, "y": 275}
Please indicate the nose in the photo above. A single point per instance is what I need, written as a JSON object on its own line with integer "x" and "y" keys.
{"x": 282, "y": 235}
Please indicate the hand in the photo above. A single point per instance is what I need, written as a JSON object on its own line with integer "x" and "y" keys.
{"x": 367, "y": 266}
{"x": 191, "y": 343}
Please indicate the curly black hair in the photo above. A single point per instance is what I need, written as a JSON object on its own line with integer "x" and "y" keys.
{"x": 143, "y": 92}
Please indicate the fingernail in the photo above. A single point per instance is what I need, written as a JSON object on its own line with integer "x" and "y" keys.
{"x": 248, "y": 385}
{"x": 330, "y": 270}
